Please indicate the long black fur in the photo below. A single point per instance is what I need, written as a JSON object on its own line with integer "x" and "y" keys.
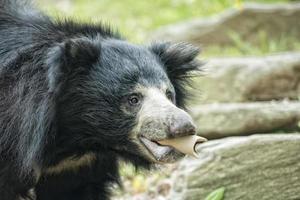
{"x": 61, "y": 84}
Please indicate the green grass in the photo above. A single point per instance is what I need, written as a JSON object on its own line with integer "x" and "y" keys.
{"x": 136, "y": 19}
{"x": 217, "y": 194}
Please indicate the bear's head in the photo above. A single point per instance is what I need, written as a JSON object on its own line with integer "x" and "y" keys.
{"x": 121, "y": 98}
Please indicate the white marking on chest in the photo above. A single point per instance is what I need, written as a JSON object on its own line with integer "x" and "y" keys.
{"x": 72, "y": 164}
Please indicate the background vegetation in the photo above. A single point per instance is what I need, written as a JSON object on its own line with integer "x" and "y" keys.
{"x": 137, "y": 19}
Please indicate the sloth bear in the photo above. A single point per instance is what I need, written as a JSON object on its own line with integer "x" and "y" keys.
{"x": 76, "y": 98}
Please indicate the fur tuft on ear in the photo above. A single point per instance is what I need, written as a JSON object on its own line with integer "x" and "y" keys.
{"x": 72, "y": 56}
{"x": 81, "y": 51}
{"x": 179, "y": 61}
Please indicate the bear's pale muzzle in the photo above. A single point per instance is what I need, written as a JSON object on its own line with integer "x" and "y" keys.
{"x": 160, "y": 119}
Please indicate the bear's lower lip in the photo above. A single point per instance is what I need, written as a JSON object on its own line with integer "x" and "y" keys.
{"x": 162, "y": 154}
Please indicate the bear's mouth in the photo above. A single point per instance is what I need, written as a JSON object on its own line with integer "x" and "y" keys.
{"x": 161, "y": 153}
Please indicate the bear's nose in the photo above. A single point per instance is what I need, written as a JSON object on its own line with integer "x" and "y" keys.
{"x": 182, "y": 125}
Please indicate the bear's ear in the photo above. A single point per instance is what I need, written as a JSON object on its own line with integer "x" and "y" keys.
{"x": 180, "y": 61}
{"x": 73, "y": 54}
{"x": 70, "y": 57}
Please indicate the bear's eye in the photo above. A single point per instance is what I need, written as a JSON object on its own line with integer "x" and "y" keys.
{"x": 133, "y": 99}
{"x": 170, "y": 95}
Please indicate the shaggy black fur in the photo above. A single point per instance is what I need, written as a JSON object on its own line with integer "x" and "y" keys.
{"x": 62, "y": 88}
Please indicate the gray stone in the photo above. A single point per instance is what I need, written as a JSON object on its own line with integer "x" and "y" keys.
{"x": 233, "y": 119}
{"x": 260, "y": 167}
{"x": 273, "y": 20}
{"x": 250, "y": 79}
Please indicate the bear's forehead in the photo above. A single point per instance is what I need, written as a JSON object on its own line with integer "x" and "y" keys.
{"x": 128, "y": 61}
{"x": 125, "y": 53}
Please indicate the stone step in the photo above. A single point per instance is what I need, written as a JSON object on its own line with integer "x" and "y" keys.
{"x": 230, "y": 119}
{"x": 260, "y": 167}
{"x": 250, "y": 79}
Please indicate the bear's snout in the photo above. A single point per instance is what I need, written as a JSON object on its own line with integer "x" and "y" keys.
{"x": 181, "y": 125}
{"x": 160, "y": 119}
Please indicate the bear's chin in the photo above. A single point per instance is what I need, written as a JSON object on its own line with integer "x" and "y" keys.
{"x": 160, "y": 154}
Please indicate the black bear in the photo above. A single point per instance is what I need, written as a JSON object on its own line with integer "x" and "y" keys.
{"x": 76, "y": 98}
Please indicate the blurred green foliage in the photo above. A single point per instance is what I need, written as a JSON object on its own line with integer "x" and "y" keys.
{"x": 217, "y": 194}
{"x": 136, "y": 19}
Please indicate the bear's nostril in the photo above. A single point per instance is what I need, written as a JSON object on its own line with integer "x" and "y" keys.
{"x": 182, "y": 127}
